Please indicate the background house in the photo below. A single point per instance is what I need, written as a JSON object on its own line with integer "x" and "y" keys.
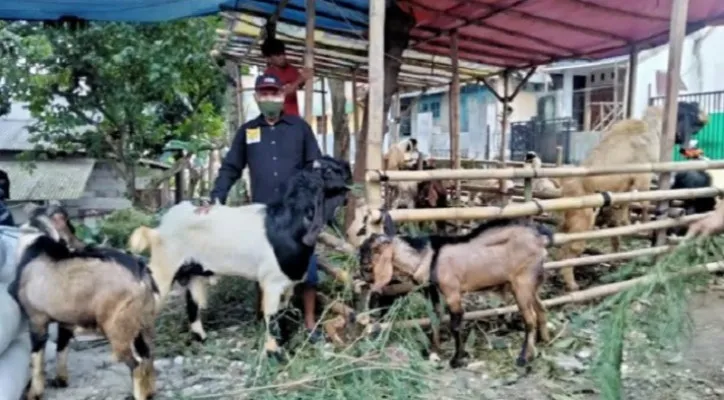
{"x": 86, "y": 186}
{"x": 585, "y": 98}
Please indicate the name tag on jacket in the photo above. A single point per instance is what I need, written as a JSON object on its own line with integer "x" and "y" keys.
{"x": 253, "y": 135}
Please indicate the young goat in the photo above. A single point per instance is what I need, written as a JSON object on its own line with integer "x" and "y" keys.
{"x": 499, "y": 252}
{"x": 93, "y": 288}
{"x": 269, "y": 244}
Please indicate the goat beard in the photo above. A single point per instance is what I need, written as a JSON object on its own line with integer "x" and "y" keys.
{"x": 317, "y": 223}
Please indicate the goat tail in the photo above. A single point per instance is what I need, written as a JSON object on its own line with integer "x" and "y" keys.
{"x": 142, "y": 239}
{"x": 546, "y": 232}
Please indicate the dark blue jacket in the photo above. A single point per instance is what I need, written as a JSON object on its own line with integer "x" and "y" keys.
{"x": 272, "y": 153}
{"x": 6, "y": 218}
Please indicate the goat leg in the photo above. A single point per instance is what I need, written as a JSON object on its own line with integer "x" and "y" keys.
{"x": 194, "y": 315}
{"x": 434, "y": 296}
{"x": 271, "y": 301}
{"x": 65, "y": 333}
{"x": 456, "y": 322}
{"x": 140, "y": 363}
{"x": 525, "y": 297}
{"x": 38, "y": 339}
{"x": 259, "y": 307}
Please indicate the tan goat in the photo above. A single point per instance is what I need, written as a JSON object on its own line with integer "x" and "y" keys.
{"x": 494, "y": 254}
{"x": 630, "y": 141}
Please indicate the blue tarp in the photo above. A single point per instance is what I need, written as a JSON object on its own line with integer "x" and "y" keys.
{"x": 332, "y": 15}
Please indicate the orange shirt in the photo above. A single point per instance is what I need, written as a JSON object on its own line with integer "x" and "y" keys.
{"x": 287, "y": 75}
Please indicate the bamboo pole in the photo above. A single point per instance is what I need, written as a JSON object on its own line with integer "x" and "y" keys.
{"x": 559, "y": 156}
{"x": 325, "y": 120}
{"x": 309, "y": 62}
{"x": 561, "y": 238}
{"x": 677, "y": 32}
{"x": 575, "y": 297}
{"x": 562, "y": 172}
{"x": 598, "y": 259}
{"x": 376, "y": 97}
{"x": 538, "y": 207}
{"x": 336, "y": 243}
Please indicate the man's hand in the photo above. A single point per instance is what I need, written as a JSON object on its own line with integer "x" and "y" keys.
{"x": 710, "y": 225}
{"x": 203, "y": 208}
{"x": 306, "y": 74}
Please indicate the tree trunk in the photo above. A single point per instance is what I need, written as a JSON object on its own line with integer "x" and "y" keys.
{"x": 340, "y": 122}
{"x": 398, "y": 25}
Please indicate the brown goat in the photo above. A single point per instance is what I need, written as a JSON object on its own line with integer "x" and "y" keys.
{"x": 496, "y": 253}
{"x": 629, "y": 141}
{"x": 95, "y": 288}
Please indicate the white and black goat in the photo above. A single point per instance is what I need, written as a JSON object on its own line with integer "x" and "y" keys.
{"x": 94, "y": 288}
{"x": 270, "y": 244}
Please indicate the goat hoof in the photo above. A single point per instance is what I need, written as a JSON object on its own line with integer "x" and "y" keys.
{"x": 58, "y": 382}
{"x": 195, "y": 337}
{"x": 278, "y": 355}
{"x": 521, "y": 362}
{"x": 457, "y": 363}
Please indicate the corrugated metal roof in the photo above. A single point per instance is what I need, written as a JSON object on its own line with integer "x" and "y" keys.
{"x": 49, "y": 180}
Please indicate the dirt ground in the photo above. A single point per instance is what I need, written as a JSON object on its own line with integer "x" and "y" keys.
{"x": 696, "y": 374}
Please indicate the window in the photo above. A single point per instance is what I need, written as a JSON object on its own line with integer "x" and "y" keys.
{"x": 431, "y": 104}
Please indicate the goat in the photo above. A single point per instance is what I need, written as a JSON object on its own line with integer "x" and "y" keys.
{"x": 432, "y": 194}
{"x": 402, "y": 155}
{"x": 495, "y": 253}
{"x": 549, "y": 186}
{"x": 92, "y": 288}
{"x": 629, "y": 141}
{"x": 269, "y": 244}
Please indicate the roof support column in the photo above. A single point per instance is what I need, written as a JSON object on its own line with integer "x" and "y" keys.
{"x": 630, "y": 95}
{"x": 455, "y": 114}
{"x": 376, "y": 93}
{"x": 677, "y": 32}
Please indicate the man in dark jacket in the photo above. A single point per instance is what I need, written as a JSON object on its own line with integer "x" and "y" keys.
{"x": 274, "y": 146}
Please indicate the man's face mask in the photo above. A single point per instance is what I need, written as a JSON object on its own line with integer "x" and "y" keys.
{"x": 270, "y": 104}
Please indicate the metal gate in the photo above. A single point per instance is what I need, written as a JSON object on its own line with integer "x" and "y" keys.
{"x": 541, "y": 136}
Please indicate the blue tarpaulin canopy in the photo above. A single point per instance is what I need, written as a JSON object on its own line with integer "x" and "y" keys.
{"x": 332, "y": 15}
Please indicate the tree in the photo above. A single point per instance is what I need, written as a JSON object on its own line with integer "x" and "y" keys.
{"x": 120, "y": 91}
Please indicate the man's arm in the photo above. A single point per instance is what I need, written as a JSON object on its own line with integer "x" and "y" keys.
{"x": 231, "y": 167}
{"x": 311, "y": 146}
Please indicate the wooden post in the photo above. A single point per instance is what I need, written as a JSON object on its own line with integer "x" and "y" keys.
{"x": 376, "y": 97}
{"x": 309, "y": 62}
{"x": 240, "y": 97}
{"x": 677, "y": 32}
{"x": 455, "y": 114}
{"x": 504, "y": 134}
{"x": 616, "y": 97}
{"x": 323, "y": 128}
{"x": 630, "y": 95}
{"x": 559, "y": 156}
{"x": 395, "y": 126}
{"x": 587, "y": 104}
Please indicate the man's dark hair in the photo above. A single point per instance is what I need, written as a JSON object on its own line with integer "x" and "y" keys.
{"x": 272, "y": 47}
{"x": 4, "y": 185}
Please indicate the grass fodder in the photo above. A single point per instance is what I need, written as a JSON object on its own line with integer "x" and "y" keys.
{"x": 658, "y": 309}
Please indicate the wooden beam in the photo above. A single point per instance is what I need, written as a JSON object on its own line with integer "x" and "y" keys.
{"x": 309, "y": 63}
{"x": 323, "y": 128}
{"x": 395, "y": 125}
{"x": 677, "y": 33}
{"x": 455, "y": 112}
{"x": 376, "y": 97}
{"x": 504, "y": 132}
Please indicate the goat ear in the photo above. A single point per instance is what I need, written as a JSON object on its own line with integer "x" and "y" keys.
{"x": 317, "y": 223}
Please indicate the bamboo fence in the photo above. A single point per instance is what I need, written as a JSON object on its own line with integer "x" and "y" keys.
{"x": 540, "y": 206}
{"x": 520, "y": 173}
